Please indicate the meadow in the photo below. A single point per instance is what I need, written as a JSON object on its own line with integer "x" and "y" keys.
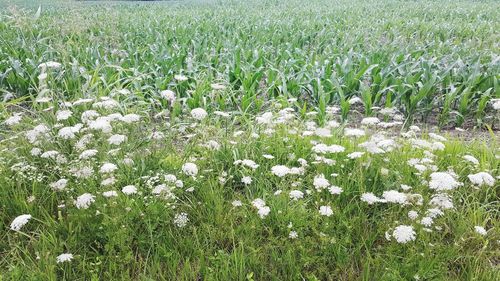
{"x": 249, "y": 140}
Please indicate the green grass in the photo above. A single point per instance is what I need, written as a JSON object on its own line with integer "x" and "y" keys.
{"x": 289, "y": 72}
{"x": 134, "y": 237}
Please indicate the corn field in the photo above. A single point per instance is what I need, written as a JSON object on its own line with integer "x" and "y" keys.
{"x": 249, "y": 140}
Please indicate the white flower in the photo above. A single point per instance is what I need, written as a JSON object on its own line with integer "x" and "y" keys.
{"x": 14, "y": 119}
{"x": 236, "y": 203}
{"x": 442, "y": 200}
{"x": 168, "y": 95}
{"x": 110, "y": 193}
{"x": 190, "y": 169}
{"x": 51, "y": 154}
{"x": 325, "y": 211}
{"x": 437, "y": 137}
{"x": 280, "y": 170}
{"x": 482, "y": 178}
{"x": 443, "y": 181}
{"x": 35, "y": 151}
{"x": 265, "y": 118}
{"x": 89, "y": 115}
{"x": 258, "y": 203}
{"x": 131, "y": 118}
{"x": 393, "y": 196}
{"x": 64, "y": 258}
{"x": 496, "y": 104}
{"x": 335, "y": 190}
{"x": 246, "y": 180}
{"x": 59, "y": 185}
{"x": 333, "y": 124}
{"x": 117, "y": 139}
{"x": 63, "y": 115}
{"x": 49, "y": 64}
{"x": 83, "y": 201}
{"x": 129, "y": 190}
{"x": 222, "y": 113}
{"x": 157, "y": 135}
{"x": 320, "y": 182}
{"x": 323, "y": 132}
{"x": 180, "y": 78}
{"x": 412, "y": 215}
{"x": 106, "y": 103}
{"x": 404, "y": 234}
{"x": 82, "y": 101}
{"x": 296, "y": 194}
{"x": 263, "y": 211}
{"x": 426, "y": 221}
{"x": 82, "y": 173}
{"x": 350, "y": 132}
{"x": 108, "y": 168}
{"x": 86, "y": 154}
{"x": 369, "y": 198}
{"x": 108, "y": 181}
{"x": 405, "y": 187}
{"x": 199, "y": 113}
{"x": 249, "y": 163}
{"x": 434, "y": 213}
{"x": 36, "y": 132}
{"x": 268, "y": 156}
{"x": 355, "y": 155}
{"x": 471, "y": 159}
{"x": 370, "y": 121}
{"x": 101, "y": 123}
{"x": 293, "y": 235}
{"x": 68, "y": 133}
{"x": 323, "y": 148}
{"x": 211, "y": 144}
{"x": 181, "y": 219}
{"x": 19, "y": 222}
{"x": 480, "y": 230}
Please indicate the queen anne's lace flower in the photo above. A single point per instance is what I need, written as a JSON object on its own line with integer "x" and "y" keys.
{"x": 129, "y": 190}
{"x": 325, "y": 211}
{"x": 181, "y": 220}
{"x": 404, "y": 234}
{"x": 482, "y": 178}
{"x": 84, "y": 201}
{"x": 107, "y": 168}
{"x": 393, "y": 196}
{"x": 168, "y": 95}
{"x": 320, "y": 182}
{"x": 190, "y": 169}
{"x": 280, "y": 170}
{"x": 59, "y": 185}
{"x": 369, "y": 198}
{"x": 443, "y": 181}
{"x": 296, "y": 194}
{"x": 64, "y": 258}
{"x": 199, "y": 113}
{"x": 480, "y": 230}
{"x": 19, "y": 222}
{"x": 117, "y": 139}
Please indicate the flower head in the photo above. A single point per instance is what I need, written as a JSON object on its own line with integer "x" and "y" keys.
{"x": 404, "y": 234}
{"x": 19, "y": 222}
{"x": 64, "y": 257}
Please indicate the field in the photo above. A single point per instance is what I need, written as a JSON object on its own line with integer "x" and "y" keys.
{"x": 249, "y": 140}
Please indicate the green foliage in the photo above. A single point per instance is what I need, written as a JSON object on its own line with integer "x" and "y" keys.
{"x": 405, "y": 56}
